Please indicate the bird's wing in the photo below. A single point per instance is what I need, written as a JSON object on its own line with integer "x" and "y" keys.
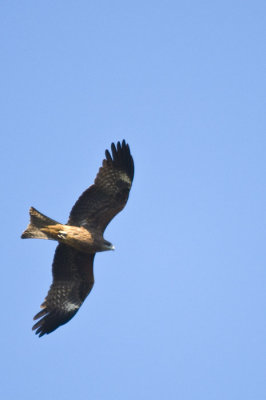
{"x": 72, "y": 282}
{"x": 108, "y": 195}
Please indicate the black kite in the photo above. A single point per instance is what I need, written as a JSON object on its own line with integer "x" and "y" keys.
{"x": 81, "y": 238}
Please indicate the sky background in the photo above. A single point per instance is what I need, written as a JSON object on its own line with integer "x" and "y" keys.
{"x": 178, "y": 310}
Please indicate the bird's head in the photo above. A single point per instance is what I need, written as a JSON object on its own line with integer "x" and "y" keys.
{"x": 107, "y": 245}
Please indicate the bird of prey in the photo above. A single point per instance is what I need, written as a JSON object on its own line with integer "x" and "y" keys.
{"x": 81, "y": 238}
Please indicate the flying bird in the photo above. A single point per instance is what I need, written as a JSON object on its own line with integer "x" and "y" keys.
{"x": 81, "y": 238}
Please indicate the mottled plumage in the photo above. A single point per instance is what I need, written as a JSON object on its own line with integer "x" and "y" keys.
{"x": 72, "y": 282}
{"x": 81, "y": 238}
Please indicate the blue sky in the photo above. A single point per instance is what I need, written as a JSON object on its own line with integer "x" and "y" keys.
{"x": 178, "y": 310}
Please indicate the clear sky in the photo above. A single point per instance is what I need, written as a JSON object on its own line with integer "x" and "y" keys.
{"x": 178, "y": 310}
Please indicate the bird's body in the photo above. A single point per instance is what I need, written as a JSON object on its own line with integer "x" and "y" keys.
{"x": 77, "y": 237}
{"x": 81, "y": 238}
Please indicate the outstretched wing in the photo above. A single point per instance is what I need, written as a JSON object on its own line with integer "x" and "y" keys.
{"x": 72, "y": 282}
{"x": 109, "y": 194}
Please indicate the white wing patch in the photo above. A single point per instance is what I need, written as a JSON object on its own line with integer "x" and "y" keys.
{"x": 70, "y": 306}
{"x": 125, "y": 178}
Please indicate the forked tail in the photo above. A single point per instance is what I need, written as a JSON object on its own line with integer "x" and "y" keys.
{"x": 38, "y": 222}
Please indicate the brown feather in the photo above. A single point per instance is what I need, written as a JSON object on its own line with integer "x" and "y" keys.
{"x": 98, "y": 205}
{"x": 72, "y": 282}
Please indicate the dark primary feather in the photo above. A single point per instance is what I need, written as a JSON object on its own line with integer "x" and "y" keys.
{"x": 72, "y": 282}
{"x": 109, "y": 194}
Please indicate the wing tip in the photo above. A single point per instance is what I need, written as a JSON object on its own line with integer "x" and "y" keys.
{"x": 49, "y": 321}
{"x": 121, "y": 156}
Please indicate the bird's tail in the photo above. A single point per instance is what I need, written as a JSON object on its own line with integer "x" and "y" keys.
{"x": 37, "y": 228}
